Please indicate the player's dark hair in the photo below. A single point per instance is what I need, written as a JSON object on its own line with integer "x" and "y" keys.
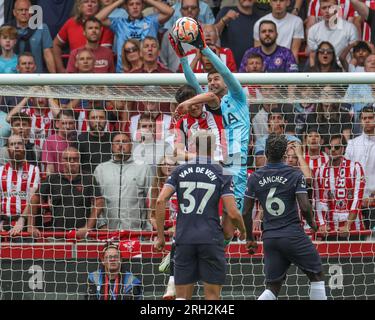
{"x": 66, "y": 113}
{"x": 255, "y": 56}
{"x": 276, "y": 145}
{"x": 92, "y": 19}
{"x": 184, "y": 93}
{"x": 267, "y": 22}
{"x": 369, "y": 108}
{"x": 339, "y": 136}
{"x": 20, "y": 116}
{"x": 276, "y": 110}
{"x": 212, "y": 71}
{"x": 116, "y": 133}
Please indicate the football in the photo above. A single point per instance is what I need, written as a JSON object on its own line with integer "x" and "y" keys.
{"x": 185, "y": 29}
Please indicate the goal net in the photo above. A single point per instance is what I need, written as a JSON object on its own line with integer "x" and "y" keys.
{"x": 51, "y": 256}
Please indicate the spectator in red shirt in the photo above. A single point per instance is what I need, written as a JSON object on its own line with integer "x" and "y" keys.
{"x": 72, "y": 33}
{"x": 198, "y": 62}
{"x": 150, "y": 52}
{"x": 131, "y": 56}
{"x": 103, "y": 56}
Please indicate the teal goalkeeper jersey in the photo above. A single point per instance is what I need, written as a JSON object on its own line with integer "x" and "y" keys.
{"x": 234, "y": 108}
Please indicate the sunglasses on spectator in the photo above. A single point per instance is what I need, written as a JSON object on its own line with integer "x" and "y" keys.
{"x": 325, "y": 51}
{"x": 186, "y": 8}
{"x": 336, "y": 147}
{"x": 131, "y": 49}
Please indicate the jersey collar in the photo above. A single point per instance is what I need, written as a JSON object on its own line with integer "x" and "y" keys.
{"x": 276, "y": 165}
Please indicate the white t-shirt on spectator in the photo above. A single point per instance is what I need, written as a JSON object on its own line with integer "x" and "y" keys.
{"x": 340, "y": 37}
{"x": 288, "y": 28}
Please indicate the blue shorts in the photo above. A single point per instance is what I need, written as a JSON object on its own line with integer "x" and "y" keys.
{"x": 199, "y": 262}
{"x": 279, "y": 253}
{"x": 239, "y": 173}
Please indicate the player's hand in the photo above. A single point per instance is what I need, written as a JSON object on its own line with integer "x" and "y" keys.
{"x": 82, "y": 233}
{"x": 231, "y": 15}
{"x": 240, "y": 234}
{"x": 199, "y": 43}
{"x": 35, "y": 233}
{"x": 176, "y": 45}
{"x": 314, "y": 227}
{"x": 159, "y": 244}
{"x": 323, "y": 229}
{"x": 18, "y": 227}
{"x": 251, "y": 247}
{"x": 344, "y": 231}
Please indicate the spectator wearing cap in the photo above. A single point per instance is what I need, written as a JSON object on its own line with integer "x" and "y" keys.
{"x": 276, "y": 124}
{"x": 111, "y": 281}
{"x": 361, "y": 50}
{"x": 103, "y": 56}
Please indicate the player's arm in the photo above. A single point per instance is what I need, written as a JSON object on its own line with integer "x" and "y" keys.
{"x": 165, "y": 11}
{"x": 161, "y": 203}
{"x": 232, "y": 83}
{"x": 247, "y": 215}
{"x": 361, "y": 8}
{"x": 234, "y": 215}
{"x": 306, "y": 209}
{"x": 188, "y": 72}
{"x": 204, "y": 98}
{"x": 17, "y": 109}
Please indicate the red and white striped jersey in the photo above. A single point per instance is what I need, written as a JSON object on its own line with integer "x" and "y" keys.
{"x": 316, "y": 162}
{"x": 342, "y": 193}
{"x": 16, "y": 187}
{"x": 366, "y": 30}
{"x": 41, "y": 125}
{"x": 347, "y": 10}
{"x": 186, "y": 127}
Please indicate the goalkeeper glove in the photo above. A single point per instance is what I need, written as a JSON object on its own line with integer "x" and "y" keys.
{"x": 199, "y": 43}
{"x": 176, "y": 45}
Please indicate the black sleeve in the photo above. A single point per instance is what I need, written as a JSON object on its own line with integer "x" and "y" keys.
{"x": 214, "y": 111}
{"x": 45, "y": 189}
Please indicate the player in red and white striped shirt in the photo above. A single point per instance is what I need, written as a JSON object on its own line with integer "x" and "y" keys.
{"x": 197, "y": 118}
{"x": 343, "y": 182}
{"x": 19, "y": 181}
{"x": 346, "y": 11}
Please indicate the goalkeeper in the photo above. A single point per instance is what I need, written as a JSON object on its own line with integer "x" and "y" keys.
{"x": 231, "y": 99}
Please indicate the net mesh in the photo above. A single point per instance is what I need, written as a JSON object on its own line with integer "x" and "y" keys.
{"x": 57, "y": 264}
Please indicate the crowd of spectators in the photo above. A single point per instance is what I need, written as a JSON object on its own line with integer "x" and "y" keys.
{"x": 80, "y": 158}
